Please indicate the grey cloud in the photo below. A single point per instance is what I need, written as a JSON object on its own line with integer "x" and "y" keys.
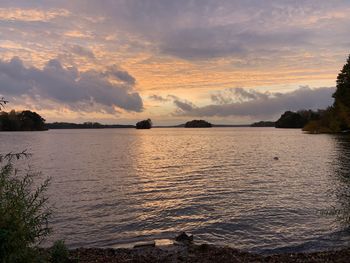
{"x": 200, "y": 29}
{"x": 121, "y": 75}
{"x": 219, "y": 41}
{"x": 250, "y": 94}
{"x": 184, "y": 106}
{"x": 239, "y": 95}
{"x": 267, "y": 107}
{"x": 82, "y": 51}
{"x": 68, "y": 86}
{"x": 181, "y": 105}
{"x": 204, "y": 29}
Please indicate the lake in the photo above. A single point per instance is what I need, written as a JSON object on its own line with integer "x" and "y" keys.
{"x": 223, "y": 185}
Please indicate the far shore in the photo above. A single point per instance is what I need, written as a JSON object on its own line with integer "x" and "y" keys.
{"x": 51, "y": 126}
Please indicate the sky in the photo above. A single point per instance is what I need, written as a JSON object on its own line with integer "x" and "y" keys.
{"x": 120, "y": 61}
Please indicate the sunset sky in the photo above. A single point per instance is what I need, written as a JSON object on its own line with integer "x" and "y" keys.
{"x": 119, "y": 61}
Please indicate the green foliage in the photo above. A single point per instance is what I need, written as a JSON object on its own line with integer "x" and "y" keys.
{"x": 325, "y": 123}
{"x": 23, "y": 212}
{"x": 59, "y": 252}
{"x": 21, "y": 121}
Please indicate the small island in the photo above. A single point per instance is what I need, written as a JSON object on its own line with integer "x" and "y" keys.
{"x": 145, "y": 124}
{"x": 198, "y": 124}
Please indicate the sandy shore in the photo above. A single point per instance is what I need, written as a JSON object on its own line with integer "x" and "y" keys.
{"x": 197, "y": 253}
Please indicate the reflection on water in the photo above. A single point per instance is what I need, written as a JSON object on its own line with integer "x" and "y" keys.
{"x": 342, "y": 179}
{"x": 221, "y": 184}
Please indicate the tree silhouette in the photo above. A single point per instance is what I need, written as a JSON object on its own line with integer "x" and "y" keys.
{"x": 145, "y": 124}
{"x": 342, "y": 97}
{"x": 198, "y": 124}
{"x": 20, "y": 121}
{"x": 337, "y": 117}
{"x": 342, "y": 94}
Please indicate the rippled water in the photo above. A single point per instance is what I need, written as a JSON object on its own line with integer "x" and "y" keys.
{"x": 222, "y": 184}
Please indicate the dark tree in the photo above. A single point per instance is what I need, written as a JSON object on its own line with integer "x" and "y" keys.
{"x": 21, "y": 121}
{"x": 31, "y": 121}
{"x": 342, "y": 97}
{"x": 291, "y": 119}
{"x": 342, "y": 94}
{"x": 145, "y": 124}
{"x": 198, "y": 124}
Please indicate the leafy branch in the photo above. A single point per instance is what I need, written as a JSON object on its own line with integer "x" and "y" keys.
{"x": 3, "y": 102}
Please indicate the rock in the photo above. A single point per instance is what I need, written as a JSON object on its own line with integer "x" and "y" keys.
{"x": 145, "y": 244}
{"x": 276, "y": 158}
{"x": 184, "y": 238}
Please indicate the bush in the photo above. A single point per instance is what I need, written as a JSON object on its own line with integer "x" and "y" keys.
{"x": 23, "y": 212}
{"x": 59, "y": 252}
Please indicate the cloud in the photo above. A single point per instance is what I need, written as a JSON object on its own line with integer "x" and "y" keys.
{"x": 221, "y": 41}
{"x": 238, "y": 95}
{"x": 82, "y": 51}
{"x": 204, "y": 29}
{"x": 121, "y": 75}
{"x": 184, "y": 106}
{"x": 158, "y": 98}
{"x": 198, "y": 29}
{"x": 181, "y": 104}
{"x": 70, "y": 87}
{"x": 262, "y": 105}
{"x": 30, "y": 15}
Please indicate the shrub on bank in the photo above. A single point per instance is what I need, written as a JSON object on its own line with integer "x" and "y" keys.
{"x": 24, "y": 213}
{"x": 59, "y": 252}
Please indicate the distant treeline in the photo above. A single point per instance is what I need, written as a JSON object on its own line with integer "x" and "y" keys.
{"x": 264, "y": 124}
{"x": 293, "y": 120}
{"x": 85, "y": 125}
{"x": 21, "y": 121}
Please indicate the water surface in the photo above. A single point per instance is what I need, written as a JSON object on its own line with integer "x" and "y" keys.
{"x": 223, "y": 185}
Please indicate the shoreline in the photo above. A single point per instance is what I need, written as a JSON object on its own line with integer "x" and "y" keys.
{"x": 188, "y": 252}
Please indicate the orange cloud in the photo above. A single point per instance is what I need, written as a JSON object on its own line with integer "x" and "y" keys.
{"x": 31, "y": 15}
